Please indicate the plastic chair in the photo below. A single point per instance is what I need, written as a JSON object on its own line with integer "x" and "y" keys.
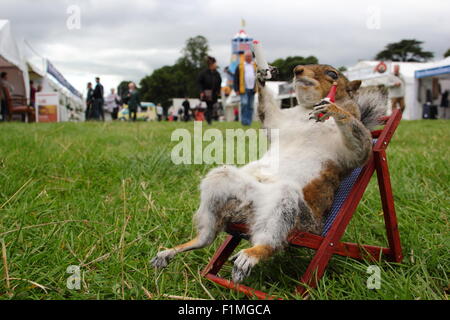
{"x": 346, "y": 200}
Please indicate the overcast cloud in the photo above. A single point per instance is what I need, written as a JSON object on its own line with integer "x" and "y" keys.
{"x": 125, "y": 40}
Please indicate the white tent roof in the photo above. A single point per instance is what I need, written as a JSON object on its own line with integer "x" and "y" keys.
{"x": 364, "y": 69}
{"x": 11, "y": 60}
{"x": 8, "y": 47}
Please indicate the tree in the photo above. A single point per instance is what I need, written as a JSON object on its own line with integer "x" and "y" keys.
{"x": 195, "y": 52}
{"x": 162, "y": 85}
{"x": 405, "y": 51}
{"x": 286, "y": 66}
{"x": 180, "y": 79}
{"x": 122, "y": 88}
{"x": 447, "y": 54}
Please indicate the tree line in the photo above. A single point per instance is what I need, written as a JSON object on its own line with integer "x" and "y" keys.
{"x": 180, "y": 79}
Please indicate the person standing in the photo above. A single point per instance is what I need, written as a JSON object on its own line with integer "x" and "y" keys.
{"x": 186, "y": 107}
{"x": 112, "y": 104}
{"x": 133, "y": 100}
{"x": 32, "y": 95}
{"x": 2, "y": 103}
{"x": 396, "y": 89}
{"x": 159, "y": 111}
{"x": 5, "y": 85}
{"x": 89, "y": 102}
{"x": 245, "y": 87}
{"x": 98, "y": 101}
{"x": 210, "y": 82}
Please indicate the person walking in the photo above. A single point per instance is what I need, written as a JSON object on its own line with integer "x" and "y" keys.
{"x": 133, "y": 100}
{"x": 209, "y": 82}
{"x": 396, "y": 89}
{"x": 245, "y": 87}
{"x": 98, "y": 101}
{"x": 89, "y": 102}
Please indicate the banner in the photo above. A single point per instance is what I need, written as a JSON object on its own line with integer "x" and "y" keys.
{"x": 47, "y": 104}
{"x": 60, "y": 78}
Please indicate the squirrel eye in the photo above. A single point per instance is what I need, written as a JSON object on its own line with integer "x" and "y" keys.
{"x": 332, "y": 74}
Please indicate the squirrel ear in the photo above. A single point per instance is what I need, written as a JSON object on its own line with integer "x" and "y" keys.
{"x": 352, "y": 86}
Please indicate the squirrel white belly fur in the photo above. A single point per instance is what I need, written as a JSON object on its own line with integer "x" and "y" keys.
{"x": 312, "y": 158}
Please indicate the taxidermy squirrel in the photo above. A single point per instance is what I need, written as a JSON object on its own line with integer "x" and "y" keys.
{"x": 319, "y": 144}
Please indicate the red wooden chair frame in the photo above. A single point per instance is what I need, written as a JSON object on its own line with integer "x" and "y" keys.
{"x": 331, "y": 243}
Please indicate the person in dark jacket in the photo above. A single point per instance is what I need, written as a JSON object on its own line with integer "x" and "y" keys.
{"x": 187, "y": 108}
{"x": 89, "y": 101}
{"x": 133, "y": 100}
{"x": 98, "y": 101}
{"x": 210, "y": 82}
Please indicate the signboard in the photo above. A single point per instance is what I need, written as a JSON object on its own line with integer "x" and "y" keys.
{"x": 47, "y": 104}
{"x": 381, "y": 67}
{"x": 432, "y": 72}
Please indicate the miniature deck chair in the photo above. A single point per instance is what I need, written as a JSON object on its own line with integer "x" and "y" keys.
{"x": 346, "y": 200}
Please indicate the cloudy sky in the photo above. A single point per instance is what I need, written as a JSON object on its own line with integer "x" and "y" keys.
{"x": 128, "y": 39}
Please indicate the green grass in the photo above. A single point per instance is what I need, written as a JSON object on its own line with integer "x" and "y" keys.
{"x": 107, "y": 197}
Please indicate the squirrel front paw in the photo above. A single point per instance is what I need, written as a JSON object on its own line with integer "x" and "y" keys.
{"x": 323, "y": 112}
{"x": 262, "y": 75}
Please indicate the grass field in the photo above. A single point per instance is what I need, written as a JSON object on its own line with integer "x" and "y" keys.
{"x": 106, "y": 197}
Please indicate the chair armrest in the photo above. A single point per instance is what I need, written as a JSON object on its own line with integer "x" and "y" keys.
{"x": 19, "y": 101}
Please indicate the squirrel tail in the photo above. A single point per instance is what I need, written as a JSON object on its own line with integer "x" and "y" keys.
{"x": 372, "y": 102}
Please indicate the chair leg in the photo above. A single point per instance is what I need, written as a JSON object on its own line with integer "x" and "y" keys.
{"x": 387, "y": 200}
{"x": 316, "y": 268}
{"x": 221, "y": 255}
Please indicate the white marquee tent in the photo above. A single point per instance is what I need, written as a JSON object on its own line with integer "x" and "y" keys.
{"x": 12, "y": 62}
{"x": 38, "y": 72}
{"x": 414, "y": 85}
{"x": 22, "y": 64}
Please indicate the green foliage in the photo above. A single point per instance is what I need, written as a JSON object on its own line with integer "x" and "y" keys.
{"x": 163, "y": 84}
{"x": 447, "y": 53}
{"x": 286, "y": 66}
{"x": 122, "y": 88}
{"x": 180, "y": 79}
{"x": 106, "y": 196}
{"x": 405, "y": 51}
{"x": 194, "y": 53}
